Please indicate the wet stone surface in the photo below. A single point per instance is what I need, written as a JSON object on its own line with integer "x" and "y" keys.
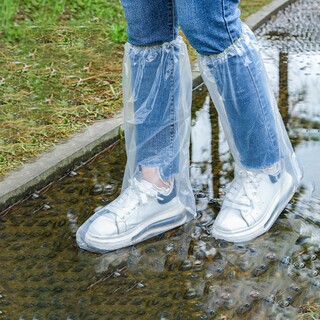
{"x": 184, "y": 273}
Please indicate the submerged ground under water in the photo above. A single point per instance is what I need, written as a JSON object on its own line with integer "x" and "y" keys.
{"x": 183, "y": 274}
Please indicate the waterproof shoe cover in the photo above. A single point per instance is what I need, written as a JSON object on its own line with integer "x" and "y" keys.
{"x": 140, "y": 212}
{"x": 253, "y": 202}
{"x": 157, "y": 88}
{"x": 257, "y": 138}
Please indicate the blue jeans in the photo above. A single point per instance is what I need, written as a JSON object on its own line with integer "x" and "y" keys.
{"x": 212, "y": 28}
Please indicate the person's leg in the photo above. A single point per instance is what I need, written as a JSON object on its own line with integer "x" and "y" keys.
{"x": 238, "y": 77}
{"x": 156, "y": 194}
{"x": 151, "y": 75}
{"x": 266, "y": 174}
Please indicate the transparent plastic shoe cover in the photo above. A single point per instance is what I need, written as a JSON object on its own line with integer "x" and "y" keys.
{"x": 239, "y": 87}
{"x": 156, "y": 193}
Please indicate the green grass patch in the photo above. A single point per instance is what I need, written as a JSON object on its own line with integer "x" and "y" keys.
{"x": 20, "y": 16}
{"x": 56, "y": 83}
{"x": 309, "y": 312}
{"x": 60, "y": 70}
{"x": 248, "y": 7}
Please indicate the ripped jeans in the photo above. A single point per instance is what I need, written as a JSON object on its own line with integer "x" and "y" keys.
{"x": 229, "y": 57}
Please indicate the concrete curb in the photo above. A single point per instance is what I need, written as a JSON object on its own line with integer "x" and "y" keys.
{"x": 83, "y": 146}
{"x": 258, "y": 18}
{"x": 55, "y": 163}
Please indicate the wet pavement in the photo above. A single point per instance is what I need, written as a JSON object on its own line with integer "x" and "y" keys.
{"x": 183, "y": 274}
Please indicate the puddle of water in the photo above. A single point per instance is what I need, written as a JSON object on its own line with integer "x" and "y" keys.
{"x": 184, "y": 273}
{"x": 293, "y": 64}
{"x": 308, "y": 153}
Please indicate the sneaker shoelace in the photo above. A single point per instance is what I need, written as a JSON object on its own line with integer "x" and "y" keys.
{"x": 136, "y": 193}
{"x": 242, "y": 191}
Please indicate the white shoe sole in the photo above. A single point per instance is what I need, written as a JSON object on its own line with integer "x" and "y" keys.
{"x": 166, "y": 220}
{"x": 262, "y": 226}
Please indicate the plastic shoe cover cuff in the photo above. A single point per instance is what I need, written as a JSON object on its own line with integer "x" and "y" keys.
{"x": 248, "y": 112}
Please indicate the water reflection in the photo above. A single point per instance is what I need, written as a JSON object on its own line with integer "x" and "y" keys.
{"x": 201, "y": 155}
{"x": 184, "y": 273}
{"x": 308, "y": 153}
{"x": 293, "y": 64}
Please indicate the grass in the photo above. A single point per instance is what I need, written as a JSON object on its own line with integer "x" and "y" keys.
{"x": 60, "y": 70}
{"x": 249, "y": 7}
{"x": 309, "y": 312}
{"x": 19, "y": 16}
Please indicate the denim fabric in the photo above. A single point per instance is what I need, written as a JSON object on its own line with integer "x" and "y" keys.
{"x": 155, "y": 105}
{"x": 150, "y": 22}
{"x": 212, "y": 27}
{"x": 244, "y": 91}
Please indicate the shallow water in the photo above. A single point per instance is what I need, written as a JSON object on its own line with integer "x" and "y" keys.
{"x": 183, "y": 274}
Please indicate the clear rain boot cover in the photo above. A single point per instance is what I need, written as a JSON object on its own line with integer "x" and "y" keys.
{"x": 157, "y": 88}
{"x": 239, "y": 87}
{"x": 266, "y": 171}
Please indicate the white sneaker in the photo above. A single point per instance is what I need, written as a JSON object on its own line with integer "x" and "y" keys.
{"x": 253, "y": 202}
{"x": 140, "y": 212}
